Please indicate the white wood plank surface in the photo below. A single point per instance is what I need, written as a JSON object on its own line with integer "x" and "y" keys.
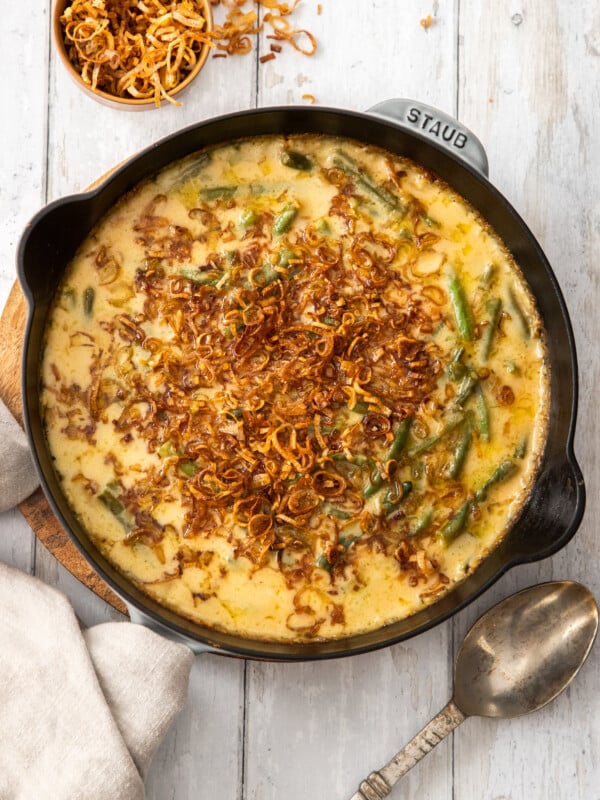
{"x": 293, "y": 710}
{"x": 23, "y": 131}
{"x": 525, "y": 76}
{"x": 535, "y": 102}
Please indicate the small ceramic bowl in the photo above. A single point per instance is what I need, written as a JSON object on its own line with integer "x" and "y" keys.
{"x": 115, "y": 101}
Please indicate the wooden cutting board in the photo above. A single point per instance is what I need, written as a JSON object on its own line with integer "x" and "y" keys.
{"x": 36, "y": 509}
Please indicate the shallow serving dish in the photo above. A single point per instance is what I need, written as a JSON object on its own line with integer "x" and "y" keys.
{"x": 555, "y": 506}
{"x": 127, "y": 103}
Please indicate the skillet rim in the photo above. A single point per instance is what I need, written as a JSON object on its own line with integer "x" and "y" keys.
{"x": 562, "y": 458}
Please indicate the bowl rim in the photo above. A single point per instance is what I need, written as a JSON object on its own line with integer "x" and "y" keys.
{"x": 130, "y": 103}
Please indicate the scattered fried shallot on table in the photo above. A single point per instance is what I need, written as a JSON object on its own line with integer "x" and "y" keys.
{"x": 233, "y": 34}
{"x": 144, "y": 49}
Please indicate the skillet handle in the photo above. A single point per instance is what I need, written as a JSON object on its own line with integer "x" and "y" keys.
{"x": 554, "y": 512}
{"x": 445, "y": 130}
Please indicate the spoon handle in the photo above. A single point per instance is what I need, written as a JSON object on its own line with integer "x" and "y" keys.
{"x": 379, "y": 784}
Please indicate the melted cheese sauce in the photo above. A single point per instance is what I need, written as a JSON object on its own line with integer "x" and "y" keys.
{"x": 389, "y": 247}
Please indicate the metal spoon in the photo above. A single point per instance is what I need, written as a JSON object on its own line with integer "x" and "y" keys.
{"x": 517, "y": 657}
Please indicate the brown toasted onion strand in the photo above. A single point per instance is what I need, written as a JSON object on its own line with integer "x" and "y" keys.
{"x": 328, "y": 484}
{"x": 233, "y": 35}
{"x": 376, "y": 426}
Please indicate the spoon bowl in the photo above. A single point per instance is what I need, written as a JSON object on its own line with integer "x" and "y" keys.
{"x": 516, "y": 658}
{"x": 525, "y": 651}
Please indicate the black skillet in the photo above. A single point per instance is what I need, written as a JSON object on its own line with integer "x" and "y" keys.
{"x": 556, "y": 504}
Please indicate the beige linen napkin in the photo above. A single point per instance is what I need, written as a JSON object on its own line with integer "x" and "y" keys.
{"x": 81, "y": 712}
{"x": 17, "y": 475}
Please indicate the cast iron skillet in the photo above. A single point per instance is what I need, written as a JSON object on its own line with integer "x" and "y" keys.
{"x": 555, "y": 507}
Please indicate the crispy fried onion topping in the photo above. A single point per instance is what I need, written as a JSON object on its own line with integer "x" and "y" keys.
{"x": 268, "y": 396}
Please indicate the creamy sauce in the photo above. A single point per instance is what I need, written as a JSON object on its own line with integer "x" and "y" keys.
{"x": 295, "y": 388}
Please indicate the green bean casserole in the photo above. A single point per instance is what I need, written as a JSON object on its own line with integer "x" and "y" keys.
{"x": 295, "y": 387}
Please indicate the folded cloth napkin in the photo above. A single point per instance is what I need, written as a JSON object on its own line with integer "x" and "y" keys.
{"x": 17, "y": 475}
{"x": 81, "y": 712}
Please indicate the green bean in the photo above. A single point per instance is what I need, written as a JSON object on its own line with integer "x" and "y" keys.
{"x": 393, "y": 497}
{"x": 323, "y": 226}
{"x": 269, "y": 274}
{"x": 512, "y": 368}
{"x": 494, "y": 307}
{"x": 207, "y": 278}
{"x": 455, "y": 524}
{"x": 167, "y": 450}
{"x": 400, "y": 439}
{"x": 360, "y": 407}
{"x": 423, "y": 522}
{"x": 114, "y": 505}
{"x": 345, "y": 459}
{"x": 332, "y": 511}
{"x": 460, "y": 453}
{"x": 296, "y": 160}
{"x": 462, "y": 310}
{"x": 483, "y": 415}
{"x": 330, "y": 321}
{"x": 347, "y": 540}
{"x": 193, "y": 169}
{"x": 218, "y": 192}
{"x": 456, "y": 369}
{"x": 521, "y": 448}
{"x": 374, "y": 485}
{"x": 325, "y": 429}
{"x": 231, "y": 256}
{"x": 407, "y": 487}
{"x": 348, "y": 165}
{"x": 108, "y": 498}
{"x": 323, "y": 563}
{"x": 189, "y": 468}
{"x": 89, "y": 296}
{"x": 504, "y": 470}
{"x": 465, "y": 390}
{"x": 69, "y": 294}
{"x": 285, "y": 256}
{"x": 376, "y": 480}
{"x": 249, "y": 218}
{"x": 433, "y": 440}
{"x": 285, "y": 219}
{"x": 488, "y": 275}
{"x": 362, "y": 460}
{"x": 520, "y": 315}
{"x": 353, "y": 462}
